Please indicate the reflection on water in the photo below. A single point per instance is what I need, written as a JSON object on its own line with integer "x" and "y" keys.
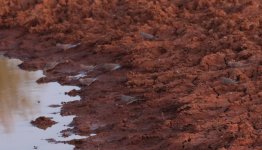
{"x": 14, "y": 101}
{"x": 23, "y": 100}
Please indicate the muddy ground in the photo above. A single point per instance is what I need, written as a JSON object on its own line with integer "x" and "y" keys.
{"x": 190, "y": 76}
{"x": 43, "y": 122}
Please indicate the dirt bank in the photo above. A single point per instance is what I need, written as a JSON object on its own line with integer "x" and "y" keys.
{"x": 190, "y": 76}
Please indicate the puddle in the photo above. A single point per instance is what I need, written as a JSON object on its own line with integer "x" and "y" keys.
{"x": 23, "y": 100}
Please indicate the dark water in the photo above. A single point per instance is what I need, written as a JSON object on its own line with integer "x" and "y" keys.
{"x": 22, "y": 100}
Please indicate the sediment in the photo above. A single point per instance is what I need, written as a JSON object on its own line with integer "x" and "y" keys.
{"x": 190, "y": 76}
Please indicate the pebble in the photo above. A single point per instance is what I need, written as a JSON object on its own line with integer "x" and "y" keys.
{"x": 128, "y": 99}
{"x": 67, "y": 46}
{"x": 87, "y": 81}
{"x": 108, "y": 67}
{"x": 147, "y": 36}
{"x": 225, "y": 80}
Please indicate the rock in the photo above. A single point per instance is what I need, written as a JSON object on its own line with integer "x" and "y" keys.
{"x": 225, "y": 80}
{"x": 147, "y": 36}
{"x": 107, "y": 67}
{"x": 128, "y": 99}
{"x": 87, "y": 67}
{"x": 87, "y": 81}
{"x": 67, "y": 46}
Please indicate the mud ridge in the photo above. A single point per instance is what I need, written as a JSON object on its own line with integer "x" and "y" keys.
{"x": 189, "y": 74}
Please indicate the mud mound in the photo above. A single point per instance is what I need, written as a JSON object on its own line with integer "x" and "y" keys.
{"x": 43, "y": 122}
{"x": 195, "y": 63}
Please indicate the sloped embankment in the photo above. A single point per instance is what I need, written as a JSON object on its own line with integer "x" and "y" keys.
{"x": 194, "y": 65}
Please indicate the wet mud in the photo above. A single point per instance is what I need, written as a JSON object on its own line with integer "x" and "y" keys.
{"x": 23, "y": 100}
{"x": 190, "y": 75}
{"x": 43, "y": 122}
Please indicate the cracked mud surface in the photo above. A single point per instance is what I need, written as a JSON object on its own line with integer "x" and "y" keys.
{"x": 194, "y": 65}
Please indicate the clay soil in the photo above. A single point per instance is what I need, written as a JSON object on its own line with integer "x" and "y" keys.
{"x": 192, "y": 68}
{"x": 43, "y": 122}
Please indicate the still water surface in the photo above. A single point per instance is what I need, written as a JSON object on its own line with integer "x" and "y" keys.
{"x": 23, "y": 100}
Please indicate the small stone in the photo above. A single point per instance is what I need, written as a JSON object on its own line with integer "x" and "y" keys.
{"x": 225, "y": 80}
{"x": 236, "y": 64}
{"x": 147, "y": 36}
{"x": 108, "y": 67}
{"x": 87, "y": 81}
{"x": 87, "y": 67}
{"x": 51, "y": 65}
{"x": 67, "y": 46}
{"x": 128, "y": 99}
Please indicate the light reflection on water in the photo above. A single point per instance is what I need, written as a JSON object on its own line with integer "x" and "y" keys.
{"x": 13, "y": 101}
{"x": 22, "y": 100}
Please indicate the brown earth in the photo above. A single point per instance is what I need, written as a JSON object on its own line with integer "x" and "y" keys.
{"x": 191, "y": 69}
{"x": 43, "y": 122}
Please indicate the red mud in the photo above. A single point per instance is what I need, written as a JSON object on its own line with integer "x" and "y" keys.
{"x": 194, "y": 65}
{"x": 43, "y": 122}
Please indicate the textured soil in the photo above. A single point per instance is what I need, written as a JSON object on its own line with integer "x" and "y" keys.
{"x": 43, "y": 122}
{"x": 190, "y": 76}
